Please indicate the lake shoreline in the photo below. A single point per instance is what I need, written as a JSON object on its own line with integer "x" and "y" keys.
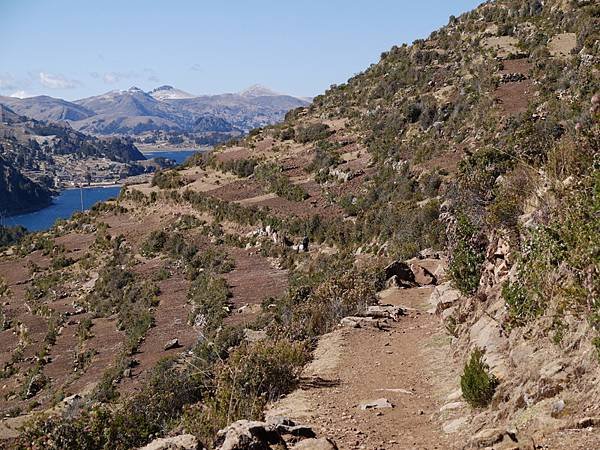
{"x": 63, "y": 206}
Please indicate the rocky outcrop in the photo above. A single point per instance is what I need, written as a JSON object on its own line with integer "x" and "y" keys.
{"x": 404, "y": 275}
{"x": 277, "y": 433}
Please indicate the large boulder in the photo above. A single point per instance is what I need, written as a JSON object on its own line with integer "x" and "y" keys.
{"x": 422, "y": 276}
{"x": 399, "y": 273}
{"x": 444, "y": 296}
{"x": 400, "y": 269}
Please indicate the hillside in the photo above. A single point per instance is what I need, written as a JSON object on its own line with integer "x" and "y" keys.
{"x": 410, "y": 261}
{"x": 19, "y": 194}
{"x": 50, "y": 155}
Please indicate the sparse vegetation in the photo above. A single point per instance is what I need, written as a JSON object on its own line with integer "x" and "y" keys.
{"x": 169, "y": 179}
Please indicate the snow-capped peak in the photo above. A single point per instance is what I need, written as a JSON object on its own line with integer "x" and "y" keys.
{"x": 257, "y": 90}
{"x": 167, "y": 92}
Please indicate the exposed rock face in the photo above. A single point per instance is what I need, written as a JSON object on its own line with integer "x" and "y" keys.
{"x": 444, "y": 297}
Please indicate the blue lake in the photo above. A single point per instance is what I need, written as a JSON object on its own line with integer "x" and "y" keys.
{"x": 178, "y": 156}
{"x": 69, "y": 200}
{"x": 63, "y": 207}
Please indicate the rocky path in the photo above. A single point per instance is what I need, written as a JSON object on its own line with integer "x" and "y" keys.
{"x": 408, "y": 366}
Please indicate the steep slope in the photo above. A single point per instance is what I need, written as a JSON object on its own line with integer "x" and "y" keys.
{"x": 18, "y": 193}
{"x": 471, "y": 154}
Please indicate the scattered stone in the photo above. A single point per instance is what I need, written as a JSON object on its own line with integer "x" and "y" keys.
{"x": 454, "y": 395}
{"x": 173, "y": 343}
{"x": 496, "y": 438}
{"x": 587, "y": 422}
{"x": 181, "y": 442}
{"x": 557, "y": 407}
{"x": 380, "y": 403}
{"x": 277, "y": 433}
{"x": 384, "y": 312}
{"x": 443, "y": 297}
{"x": 36, "y": 384}
{"x": 512, "y": 77}
{"x": 127, "y": 373}
{"x": 364, "y": 322}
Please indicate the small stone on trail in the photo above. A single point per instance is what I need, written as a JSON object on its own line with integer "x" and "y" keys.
{"x": 173, "y": 343}
{"x": 376, "y": 404}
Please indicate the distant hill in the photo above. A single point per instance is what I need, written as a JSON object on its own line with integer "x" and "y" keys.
{"x": 18, "y": 193}
{"x": 166, "y": 108}
{"x": 44, "y": 107}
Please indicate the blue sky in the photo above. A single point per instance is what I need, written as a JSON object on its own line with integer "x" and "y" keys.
{"x": 77, "y": 48}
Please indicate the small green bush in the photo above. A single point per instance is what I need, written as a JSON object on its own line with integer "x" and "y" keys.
{"x": 170, "y": 179}
{"x": 467, "y": 257}
{"x": 477, "y": 383}
{"x": 312, "y": 132}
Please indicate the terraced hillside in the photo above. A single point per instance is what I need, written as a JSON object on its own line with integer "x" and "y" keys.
{"x": 201, "y": 298}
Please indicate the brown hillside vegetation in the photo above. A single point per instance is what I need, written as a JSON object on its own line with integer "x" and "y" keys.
{"x": 267, "y": 277}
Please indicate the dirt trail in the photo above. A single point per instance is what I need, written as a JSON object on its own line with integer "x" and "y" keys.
{"x": 410, "y": 365}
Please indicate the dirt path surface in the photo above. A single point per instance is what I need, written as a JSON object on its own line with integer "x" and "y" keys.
{"x": 409, "y": 365}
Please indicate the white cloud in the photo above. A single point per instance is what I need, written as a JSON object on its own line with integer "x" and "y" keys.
{"x": 53, "y": 81}
{"x": 21, "y": 94}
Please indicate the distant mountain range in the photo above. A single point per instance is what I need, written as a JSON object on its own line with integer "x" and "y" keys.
{"x": 135, "y": 112}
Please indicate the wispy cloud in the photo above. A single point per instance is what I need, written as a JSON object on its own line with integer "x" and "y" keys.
{"x": 57, "y": 81}
{"x": 196, "y": 68}
{"x": 21, "y": 94}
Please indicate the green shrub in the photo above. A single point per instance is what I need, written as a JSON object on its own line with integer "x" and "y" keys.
{"x": 278, "y": 183}
{"x": 209, "y": 297}
{"x": 477, "y": 383}
{"x": 169, "y": 179}
{"x": 254, "y": 375}
{"x": 154, "y": 243}
{"x": 467, "y": 257}
{"x": 521, "y": 306}
{"x": 241, "y": 167}
{"x": 312, "y": 132}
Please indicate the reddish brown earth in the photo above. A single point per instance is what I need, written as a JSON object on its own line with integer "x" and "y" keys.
{"x": 514, "y": 97}
{"x": 254, "y": 279}
{"x": 409, "y": 365}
